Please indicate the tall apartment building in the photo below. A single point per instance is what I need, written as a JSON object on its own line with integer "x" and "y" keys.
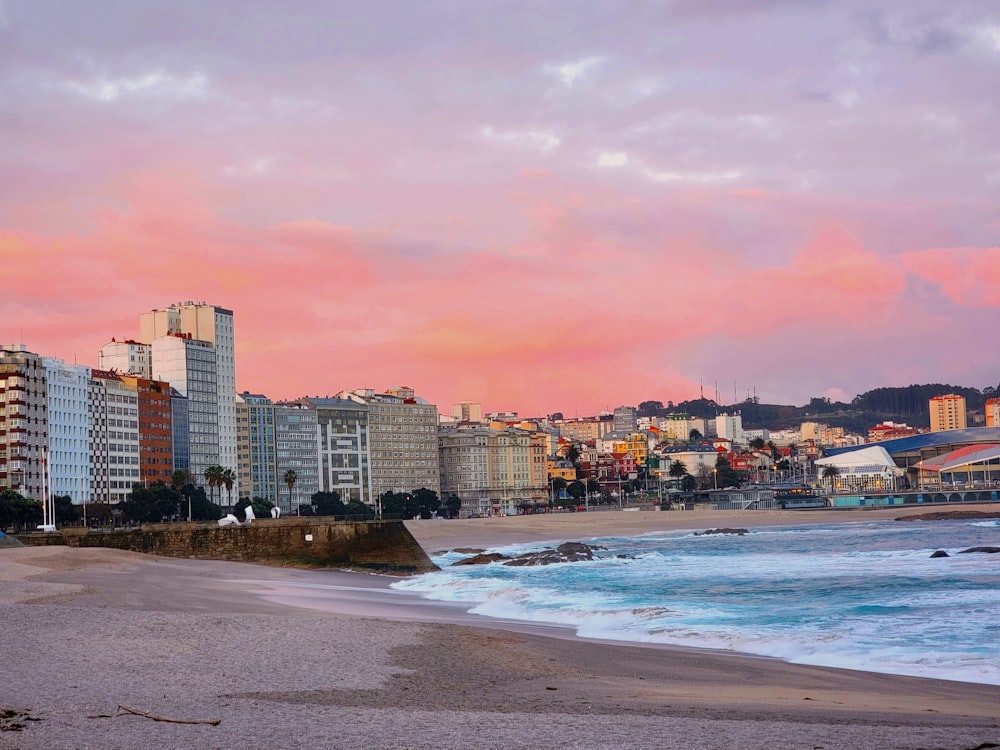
{"x": 730, "y": 426}
{"x": 180, "y": 431}
{"x": 68, "y": 389}
{"x": 255, "y": 446}
{"x": 156, "y": 448}
{"x": 271, "y": 440}
{"x": 114, "y": 437}
{"x": 493, "y": 471}
{"x": 344, "y": 456}
{"x": 675, "y": 427}
{"x": 625, "y": 418}
{"x": 189, "y": 365}
{"x": 126, "y": 357}
{"x": 993, "y": 412}
{"x": 213, "y": 324}
{"x": 296, "y": 449}
{"x": 402, "y": 431}
{"x": 467, "y": 411}
{"x": 23, "y": 421}
{"x": 948, "y": 412}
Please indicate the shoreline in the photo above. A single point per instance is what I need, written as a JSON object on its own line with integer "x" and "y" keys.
{"x": 439, "y": 535}
{"x": 196, "y": 639}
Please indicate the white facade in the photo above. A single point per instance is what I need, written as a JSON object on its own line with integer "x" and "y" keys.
{"x": 126, "y": 358}
{"x": 189, "y": 366}
{"x": 69, "y": 432}
{"x": 344, "y": 458}
{"x": 213, "y": 324}
{"x": 699, "y": 461}
{"x": 730, "y": 426}
{"x": 764, "y": 435}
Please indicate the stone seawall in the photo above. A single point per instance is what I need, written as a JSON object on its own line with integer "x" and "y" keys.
{"x": 385, "y": 546}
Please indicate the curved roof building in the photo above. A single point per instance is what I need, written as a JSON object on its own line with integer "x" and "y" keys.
{"x": 909, "y": 451}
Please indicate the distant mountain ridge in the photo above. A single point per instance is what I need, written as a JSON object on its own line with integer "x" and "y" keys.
{"x": 902, "y": 404}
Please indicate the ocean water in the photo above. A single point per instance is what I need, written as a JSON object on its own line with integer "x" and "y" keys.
{"x": 856, "y": 595}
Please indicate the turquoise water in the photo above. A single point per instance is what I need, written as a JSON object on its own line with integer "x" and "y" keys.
{"x": 860, "y": 595}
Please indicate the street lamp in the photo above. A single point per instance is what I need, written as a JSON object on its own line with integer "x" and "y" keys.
{"x": 715, "y": 478}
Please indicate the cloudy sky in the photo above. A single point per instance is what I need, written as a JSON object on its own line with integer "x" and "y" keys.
{"x": 540, "y": 206}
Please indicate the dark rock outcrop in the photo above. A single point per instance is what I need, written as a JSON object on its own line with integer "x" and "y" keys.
{"x": 734, "y": 532}
{"x": 482, "y": 559}
{"x": 985, "y": 550}
{"x": 950, "y": 515}
{"x": 468, "y": 550}
{"x": 940, "y": 553}
{"x": 565, "y": 552}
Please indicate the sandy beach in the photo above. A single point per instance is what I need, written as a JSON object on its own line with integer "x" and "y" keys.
{"x": 304, "y": 658}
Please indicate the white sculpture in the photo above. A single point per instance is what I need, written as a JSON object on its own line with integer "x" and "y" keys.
{"x": 275, "y": 512}
{"x": 249, "y": 513}
{"x": 229, "y": 520}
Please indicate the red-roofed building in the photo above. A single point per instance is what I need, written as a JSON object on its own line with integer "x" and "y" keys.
{"x": 623, "y": 464}
{"x": 890, "y": 431}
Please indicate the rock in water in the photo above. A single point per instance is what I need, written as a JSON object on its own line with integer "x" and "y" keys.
{"x": 482, "y": 559}
{"x": 987, "y": 550}
{"x": 565, "y": 552}
{"x": 940, "y": 553}
{"x": 734, "y": 532}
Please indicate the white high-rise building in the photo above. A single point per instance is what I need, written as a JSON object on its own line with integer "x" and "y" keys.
{"x": 188, "y": 364}
{"x": 69, "y": 432}
{"x": 126, "y": 358}
{"x": 730, "y": 426}
{"x": 205, "y": 322}
{"x": 344, "y": 459}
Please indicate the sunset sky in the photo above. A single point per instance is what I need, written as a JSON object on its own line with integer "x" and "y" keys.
{"x": 540, "y": 206}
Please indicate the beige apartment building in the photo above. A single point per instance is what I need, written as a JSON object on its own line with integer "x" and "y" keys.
{"x": 403, "y": 442}
{"x": 587, "y": 428}
{"x": 24, "y": 419}
{"x": 948, "y": 413}
{"x": 493, "y": 471}
{"x": 993, "y": 412}
{"x": 204, "y": 322}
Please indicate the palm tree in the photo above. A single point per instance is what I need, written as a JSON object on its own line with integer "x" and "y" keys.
{"x": 289, "y": 478}
{"x": 831, "y": 472}
{"x": 228, "y": 478}
{"x": 573, "y": 453}
{"x": 211, "y": 477}
{"x": 677, "y": 469}
{"x": 179, "y": 480}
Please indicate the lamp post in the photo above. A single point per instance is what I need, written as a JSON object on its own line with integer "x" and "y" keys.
{"x": 715, "y": 478}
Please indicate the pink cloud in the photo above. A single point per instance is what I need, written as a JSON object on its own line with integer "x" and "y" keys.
{"x": 969, "y": 276}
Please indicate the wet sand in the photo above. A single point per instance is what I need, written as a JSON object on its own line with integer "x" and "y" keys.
{"x": 294, "y": 658}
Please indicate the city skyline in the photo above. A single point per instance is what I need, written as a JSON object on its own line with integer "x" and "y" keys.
{"x": 537, "y": 209}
